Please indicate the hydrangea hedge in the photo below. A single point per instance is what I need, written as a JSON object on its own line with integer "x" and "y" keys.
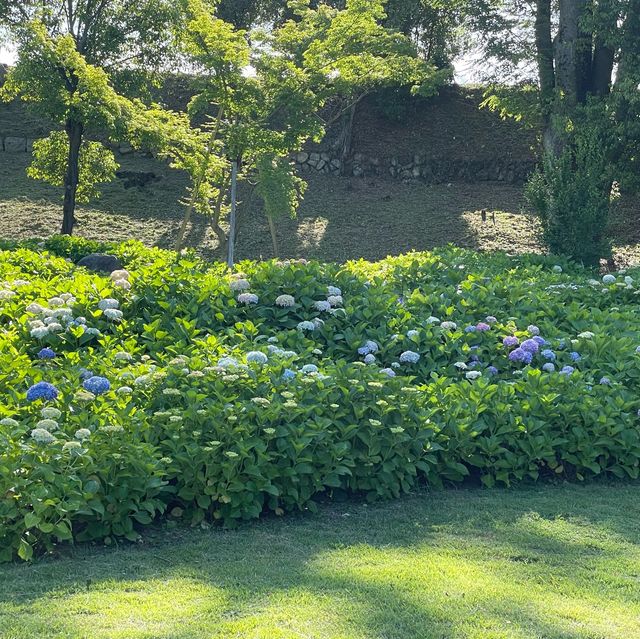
{"x": 176, "y": 389}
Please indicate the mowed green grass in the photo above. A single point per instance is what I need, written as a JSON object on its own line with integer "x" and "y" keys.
{"x": 547, "y": 562}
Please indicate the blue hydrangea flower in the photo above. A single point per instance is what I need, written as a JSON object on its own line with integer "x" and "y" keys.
{"x": 369, "y": 359}
{"x": 474, "y": 358}
{"x": 85, "y": 373}
{"x": 510, "y": 340}
{"x": 413, "y": 333}
{"x": 575, "y": 357}
{"x": 309, "y": 368}
{"x": 96, "y": 385}
{"x": 369, "y": 347}
{"x": 562, "y": 343}
{"x": 288, "y": 374}
{"x": 533, "y": 329}
{"x": 470, "y": 329}
{"x": 548, "y": 367}
{"x": 388, "y": 371}
{"x": 46, "y": 353}
{"x": 567, "y": 370}
{"x": 605, "y": 381}
{"x": 530, "y": 346}
{"x": 549, "y": 354}
{"x": 492, "y": 370}
{"x": 42, "y": 390}
{"x": 257, "y": 357}
{"x": 540, "y": 340}
{"x": 409, "y": 357}
{"x": 490, "y": 319}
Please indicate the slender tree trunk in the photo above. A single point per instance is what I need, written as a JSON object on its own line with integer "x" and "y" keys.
{"x": 346, "y": 137}
{"x": 274, "y": 236}
{"x": 546, "y": 72}
{"x": 74, "y": 131}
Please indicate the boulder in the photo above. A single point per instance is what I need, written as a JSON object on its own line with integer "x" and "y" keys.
{"x": 302, "y": 157}
{"x": 101, "y": 263}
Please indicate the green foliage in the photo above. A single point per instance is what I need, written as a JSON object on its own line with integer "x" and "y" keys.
{"x": 279, "y": 186}
{"x": 572, "y": 195}
{"x": 196, "y": 428}
{"x": 97, "y": 164}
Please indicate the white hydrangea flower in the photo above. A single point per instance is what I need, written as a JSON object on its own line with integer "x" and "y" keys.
{"x": 113, "y": 314}
{"x": 39, "y": 332}
{"x": 557, "y": 268}
{"x": 335, "y": 300}
{"x": 306, "y": 326}
{"x": 285, "y": 300}
{"x": 461, "y": 366}
{"x": 34, "y": 308}
{"x": 471, "y": 375}
{"x": 48, "y": 424}
{"x": 125, "y": 285}
{"x": 6, "y": 294}
{"x": 449, "y": 326}
{"x": 432, "y": 320}
{"x": 49, "y": 412}
{"x": 9, "y": 422}
{"x": 92, "y": 331}
{"x": 609, "y": 279}
{"x": 123, "y": 356}
{"x": 248, "y": 298}
{"x": 322, "y": 306}
{"x": 42, "y": 436}
{"x": 237, "y": 286}
{"x": 20, "y": 283}
{"x": 55, "y": 302}
{"x": 628, "y": 280}
{"x": 120, "y": 274}
{"x": 108, "y": 303}
{"x": 124, "y": 390}
{"x": 586, "y": 335}
{"x": 333, "y": 291}
{"x": 55, "y": 327}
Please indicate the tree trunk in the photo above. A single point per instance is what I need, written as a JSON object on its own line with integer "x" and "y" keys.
{"x": 546, "y": 73}
{"x": 573, "y": 52}
{"x": 346, "y": 137}
{"x": 274, "y": 237}
{"x": 74, "y": 131}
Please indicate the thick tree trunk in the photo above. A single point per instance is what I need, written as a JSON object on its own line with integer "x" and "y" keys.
{"x": 573, "y": 52}
{"x": 74, "y": 131}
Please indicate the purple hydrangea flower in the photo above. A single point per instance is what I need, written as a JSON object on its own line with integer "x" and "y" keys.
{"x": 482, "y": 327}
{"x": 46, "y": 353}
{"x": 96, "y": 385}
{"x": 531, "y": 346}
{"x": 575, "y": 357}
{"x": 42, "y": 390}
{"x": 518, "y": 355}
{"x": 540, "y": 340}
{"x": 492, "y": 370}
{"x": 490, "y": 319}
{"x": 533, "y": 329}
{"x": 510, "y": 341}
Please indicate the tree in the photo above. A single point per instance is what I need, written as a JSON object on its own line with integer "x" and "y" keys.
{"x": 586, "y": 55}
{"x": 266, "y": 92}
{"x": 67, "y": 50}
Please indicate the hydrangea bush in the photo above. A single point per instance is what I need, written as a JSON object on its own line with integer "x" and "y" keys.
{"x": 176, "y": 389}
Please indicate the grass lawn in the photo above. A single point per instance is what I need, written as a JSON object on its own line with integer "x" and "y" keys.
{"x": 547, "y": 562}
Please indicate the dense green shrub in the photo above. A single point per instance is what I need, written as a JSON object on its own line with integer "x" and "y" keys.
{"x": 177, "y": 396}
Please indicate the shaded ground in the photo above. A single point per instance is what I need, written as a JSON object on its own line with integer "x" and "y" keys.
{"x": 340, "y": 218}
{"x": 544, "y": 563}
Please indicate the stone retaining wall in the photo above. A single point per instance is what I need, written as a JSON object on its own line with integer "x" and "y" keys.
{"x": 419, "y": 167}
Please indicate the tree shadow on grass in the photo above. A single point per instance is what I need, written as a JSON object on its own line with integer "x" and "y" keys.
{"x": 437, "y": 565}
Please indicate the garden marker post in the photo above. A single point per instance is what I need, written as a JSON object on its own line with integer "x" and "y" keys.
{"x": 232, "y": 215}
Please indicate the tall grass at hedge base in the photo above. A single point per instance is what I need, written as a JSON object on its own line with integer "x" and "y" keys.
{"x": 186, "y": 433}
